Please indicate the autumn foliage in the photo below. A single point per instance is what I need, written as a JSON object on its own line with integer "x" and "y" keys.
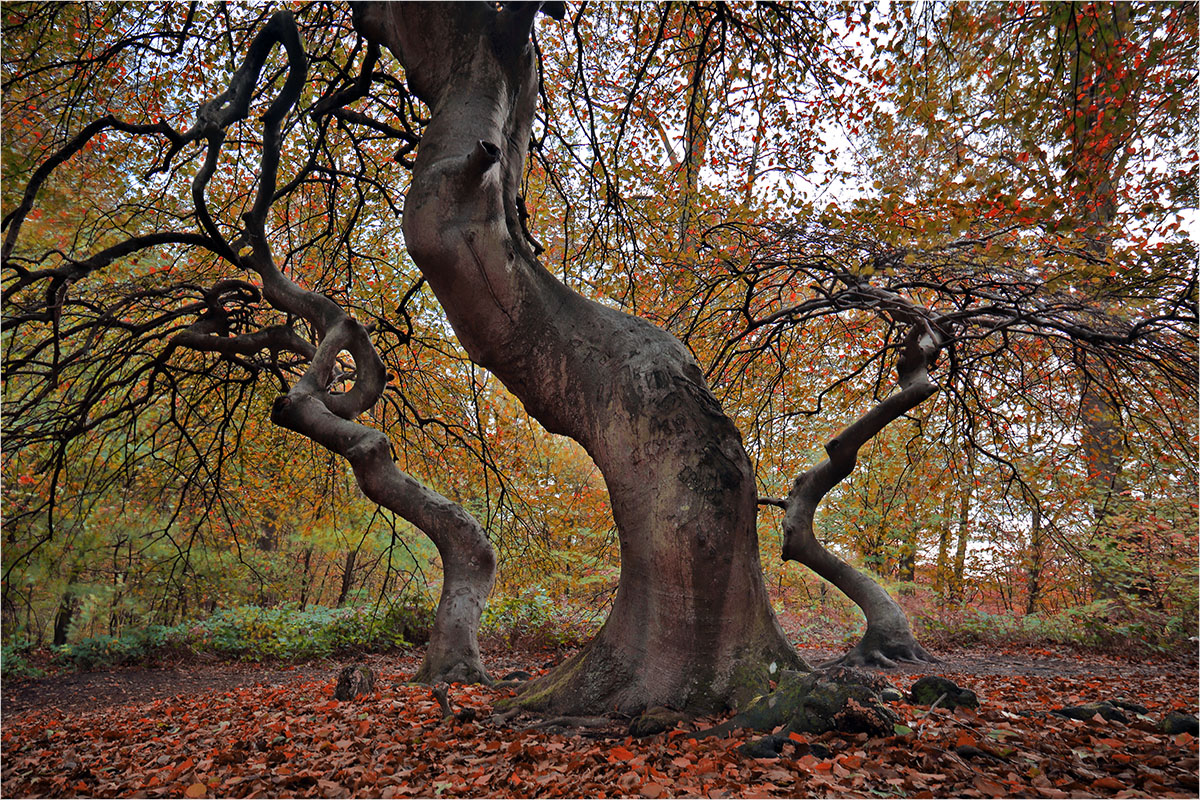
{"x": 815, "y": 207}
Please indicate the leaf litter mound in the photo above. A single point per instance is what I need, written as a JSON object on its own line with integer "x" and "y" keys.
{"x": 285, "y": 735}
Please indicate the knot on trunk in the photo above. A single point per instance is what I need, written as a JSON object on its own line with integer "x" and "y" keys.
{"x": 485, "y": 156}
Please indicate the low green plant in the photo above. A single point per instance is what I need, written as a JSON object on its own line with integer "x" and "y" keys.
{"x": 14, "y": 660}
{"x": 1103, "y": 625}
{"x": 253, "y": 633}
{"x": 534, "y": 618}
{"x": 133, "y": 646}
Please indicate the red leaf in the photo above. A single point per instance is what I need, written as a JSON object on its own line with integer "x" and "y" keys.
{"x": 619, "y": 753}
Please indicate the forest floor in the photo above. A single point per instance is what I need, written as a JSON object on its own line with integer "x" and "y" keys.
{"x": 197, "y": 728}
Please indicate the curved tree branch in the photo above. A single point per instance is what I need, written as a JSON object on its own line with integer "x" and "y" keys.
{"x": 327, "y": 417}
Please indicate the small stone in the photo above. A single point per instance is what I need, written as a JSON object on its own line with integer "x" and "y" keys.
{"x": 1177, "y": 722}
{"x": 1136, "y": 708}
{"x": 1088, "y": 711}
{"x": 927, "y": 691}
{"x": 766, "y": 747}
{"x": 655, "y": 720}
{"x": 517, "y": 675}
{"x": 860, "y": 677}
{"x": 891, "y": 695}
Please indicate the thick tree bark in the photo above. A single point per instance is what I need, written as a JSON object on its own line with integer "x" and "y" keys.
{"x": 691, "y": 626}
{"x": 888, "y": 637}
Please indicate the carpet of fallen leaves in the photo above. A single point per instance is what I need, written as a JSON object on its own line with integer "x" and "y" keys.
{"x": 291, "y": 738}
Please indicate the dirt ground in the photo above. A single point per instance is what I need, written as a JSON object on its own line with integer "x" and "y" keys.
{"x": 93, "y": 690}
{"x": 197, "y": 728}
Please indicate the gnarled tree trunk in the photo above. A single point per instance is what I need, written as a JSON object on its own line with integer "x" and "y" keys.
{"x": 691, "y": 626}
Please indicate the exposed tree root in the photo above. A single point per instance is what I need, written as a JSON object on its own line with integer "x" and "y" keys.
{"x": 883, "y": 655}
{"x": 571, "y": 723}
{"x": 840, "y": 699}
{"x": 441, "y": 693}
{"x": 461, "y": 671}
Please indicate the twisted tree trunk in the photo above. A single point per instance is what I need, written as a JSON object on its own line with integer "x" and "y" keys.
{"x": 888, "y": 637}
{"x": 311, "y": 407}
{"x": 691, "y": 626}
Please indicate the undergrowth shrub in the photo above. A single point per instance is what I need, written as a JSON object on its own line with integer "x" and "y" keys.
{"x": 14, "y": 659}
{"x": 1099, "y": 626}
{"x": 251, "y": 633}
{"x": 110, "y": 651}
{"x": 533, "y": 618}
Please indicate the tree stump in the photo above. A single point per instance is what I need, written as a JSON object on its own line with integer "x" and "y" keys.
{"x": 354, "y": 681}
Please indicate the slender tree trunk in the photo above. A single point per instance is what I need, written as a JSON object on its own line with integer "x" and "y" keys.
{"x": 907, "y": 563}
{"x": 67, "y": 607}
{"x": 1033, "y": 572}
{"x": 691, "y": 626}
{"x": 888, "y": 637}
{"x": 941, "y": 575}
{"x": 1093, "y": 179}
{"x": 695, "y": 144}
{"x": 306, "y": 578}
{"x": 964, "y": 531}
{"x": 1103, "y": 449}
{"x": 347, "y": 577}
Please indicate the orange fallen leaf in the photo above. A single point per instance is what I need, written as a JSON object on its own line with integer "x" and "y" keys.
{"x": 990, "y": 788}
{"x": 620, "y": 753}
{"x": 1108, "y": 782}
